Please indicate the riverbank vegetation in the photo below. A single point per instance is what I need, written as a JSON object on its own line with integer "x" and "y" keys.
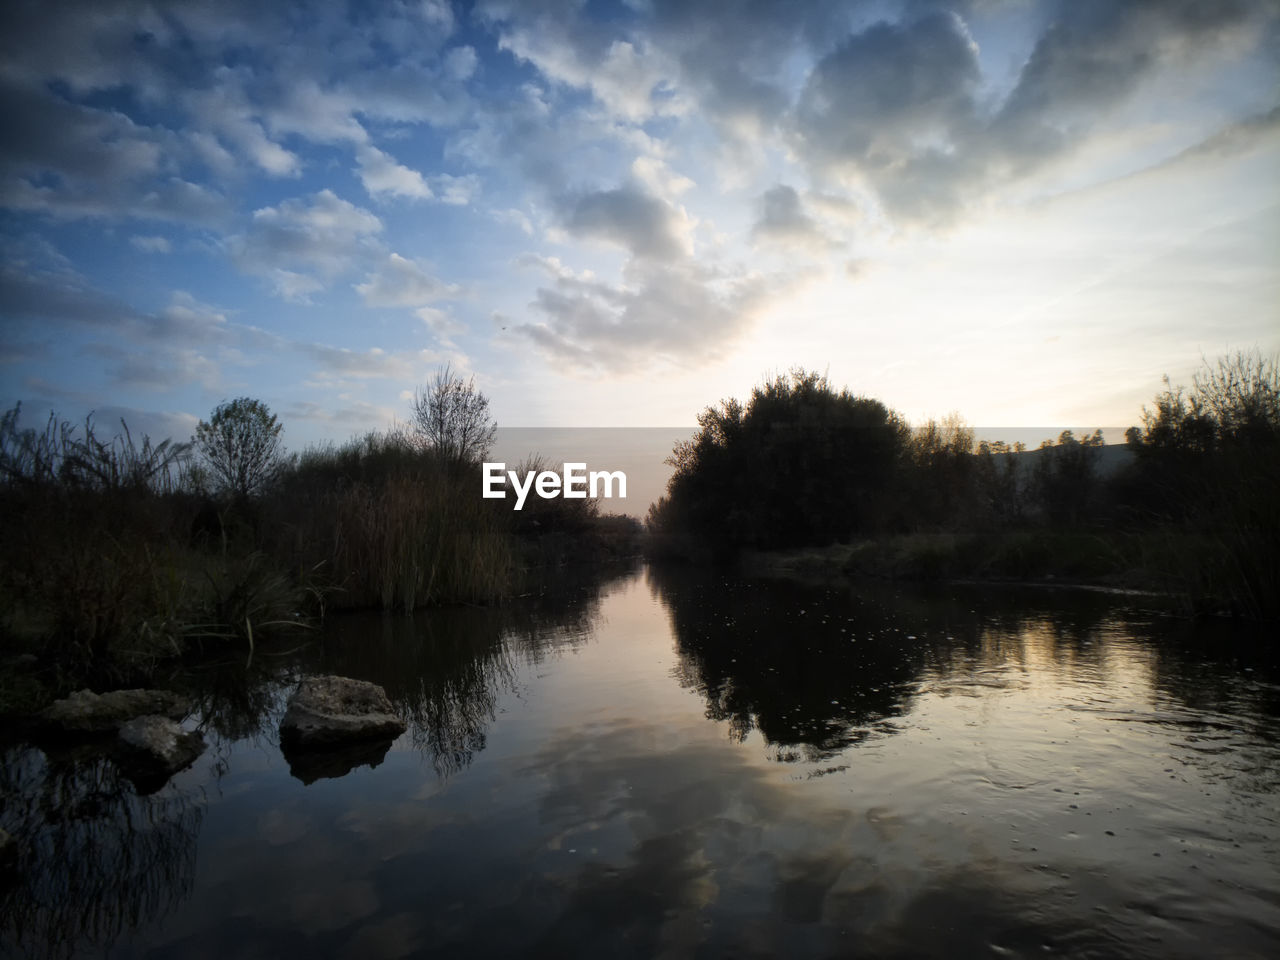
{"x": 805, "y": 476}
{"x": 120, "y": 557}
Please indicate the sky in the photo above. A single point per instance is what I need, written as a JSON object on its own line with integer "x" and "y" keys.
{"x": 617, "y": 214}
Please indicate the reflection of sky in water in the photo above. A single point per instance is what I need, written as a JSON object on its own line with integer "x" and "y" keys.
{"x": 980, "y": 780}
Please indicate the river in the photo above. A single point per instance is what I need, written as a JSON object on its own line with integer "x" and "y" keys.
{"x": 683, "y": 763}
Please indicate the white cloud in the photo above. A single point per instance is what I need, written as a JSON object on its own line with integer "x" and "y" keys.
{"x": 301, "y": 243}
{"x": 382, "y": 175}
{"x": 460, "y": 63}
{"x": 677, "y": 313}
{"x": 150, "y": 244}
{"x": 401, "y": 282}
{"x": 440, "y": 322}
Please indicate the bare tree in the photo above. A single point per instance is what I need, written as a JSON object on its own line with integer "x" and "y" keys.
{"x": 451, "y": 417}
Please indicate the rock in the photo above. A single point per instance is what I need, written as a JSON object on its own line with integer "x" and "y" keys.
{"x": 8, "y": 849}
{"x": 162, "y": 741}
{"x": 329, "y": 710}
{"x": 154, "y": 748}
{"x": 87, "y": 712}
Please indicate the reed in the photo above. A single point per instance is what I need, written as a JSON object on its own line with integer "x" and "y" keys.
{"x": 393, "y": 527}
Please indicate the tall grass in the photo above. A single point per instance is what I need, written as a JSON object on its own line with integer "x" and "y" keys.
{"x": 392, "y": 526}
{"x": 98, "y": 573}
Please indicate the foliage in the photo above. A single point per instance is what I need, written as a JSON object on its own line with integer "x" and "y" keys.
{"x": 241, "y": 446}
{"x": 451, "y": 418}
{"x": 999, "y": 493}
{"x": 940, "y": 473}
{"x": 800, "y": 463}
{"x": 390, "y": 525}
{"x": 1206, "y": 468}
{"x": 55, "y": 455}
{"x": 1065, "y": 478}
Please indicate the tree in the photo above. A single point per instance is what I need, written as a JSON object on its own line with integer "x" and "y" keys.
{"x": 798, "y": 464}
{"x": 1065, "y": 476}
{"x": 451, "y": 418}
{"x": 241, "y": 445}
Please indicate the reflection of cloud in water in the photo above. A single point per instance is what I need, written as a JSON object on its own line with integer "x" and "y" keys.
{"x": 693, "y": 848}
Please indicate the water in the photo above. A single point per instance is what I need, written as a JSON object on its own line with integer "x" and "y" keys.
{"x": 680, "y": 764}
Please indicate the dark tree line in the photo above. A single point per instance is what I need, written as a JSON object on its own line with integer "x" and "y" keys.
{"x": 803, "y": 464}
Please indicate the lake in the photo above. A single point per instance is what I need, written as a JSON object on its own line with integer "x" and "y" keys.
{"x": 682, "y": 763}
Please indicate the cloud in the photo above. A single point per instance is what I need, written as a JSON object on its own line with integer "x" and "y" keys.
{"x": 40, "y": 294}
{"x": 225, "y": 110}
{"x": 301, "y": 243}
{"x": 354, "y": 417}
{"x": 679, "y": 313}
{"x": 187, "y": 320}
{"x": 401, "y": 282}
{"x": 150, "y": 244}
{"x": 160, "y": 368}
{"x": 460, "y": 63}
{"x": 189, "y": 341}
{"x": 896, "y": 107}
{"x": 891, "y": 103}
{"x": 381, "y": 176}
{"x": 75, "y": 161}
{"x": 626, "y": 75}
{"x": 455, "y": 191}
{"x": 632, "y": 219}
{"x": 659, "y": 178}
{"x": 784, "y": 222}
{"x": 440, "y": 322}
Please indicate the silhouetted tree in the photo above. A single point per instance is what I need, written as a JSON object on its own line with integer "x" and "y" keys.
{"x": 1065, "y": 477}
{"x": 999, "y": 488}
{"x": 1206, "y": 467}
{"x": 451, "y": 418}
{"x": 241, "y": 445}
{"x": 940, "y": 473}
{"x": 801, "y": 463}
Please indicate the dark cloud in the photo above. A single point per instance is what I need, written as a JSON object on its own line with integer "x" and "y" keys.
{"x": 73, "y": 161}
{"x": 39, "y": 296}
{"x": 889, "y": 95}
{"x": 732, "y": 55}
{"x": 1093, "y": 55}
{"x": 185, "y": 342}
{"x": 896, "y": 106}
{"x": 783, "y": 221}
{"x": 235, "y": 78}
{"x": 630, "y": 218}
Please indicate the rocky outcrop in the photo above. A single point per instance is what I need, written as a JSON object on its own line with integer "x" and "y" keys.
{"x": 86, "y": 712}
{"x": 337, "y": 710}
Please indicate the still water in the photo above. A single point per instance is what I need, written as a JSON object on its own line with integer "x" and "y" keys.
{"x": 676, "y": 763}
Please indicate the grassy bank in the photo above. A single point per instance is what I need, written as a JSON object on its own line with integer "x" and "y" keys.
{"x": 1197, "y": 574}
{"x": 115, "y": 562}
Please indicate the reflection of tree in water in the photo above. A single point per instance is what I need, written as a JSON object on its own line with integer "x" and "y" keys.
{"x": 95, "y": 860}
{"x": 812, "y": 675}
{"x": 817, "y": 669}
{"x": 445, "y": 670}
{"x": 1217, "y": 665}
